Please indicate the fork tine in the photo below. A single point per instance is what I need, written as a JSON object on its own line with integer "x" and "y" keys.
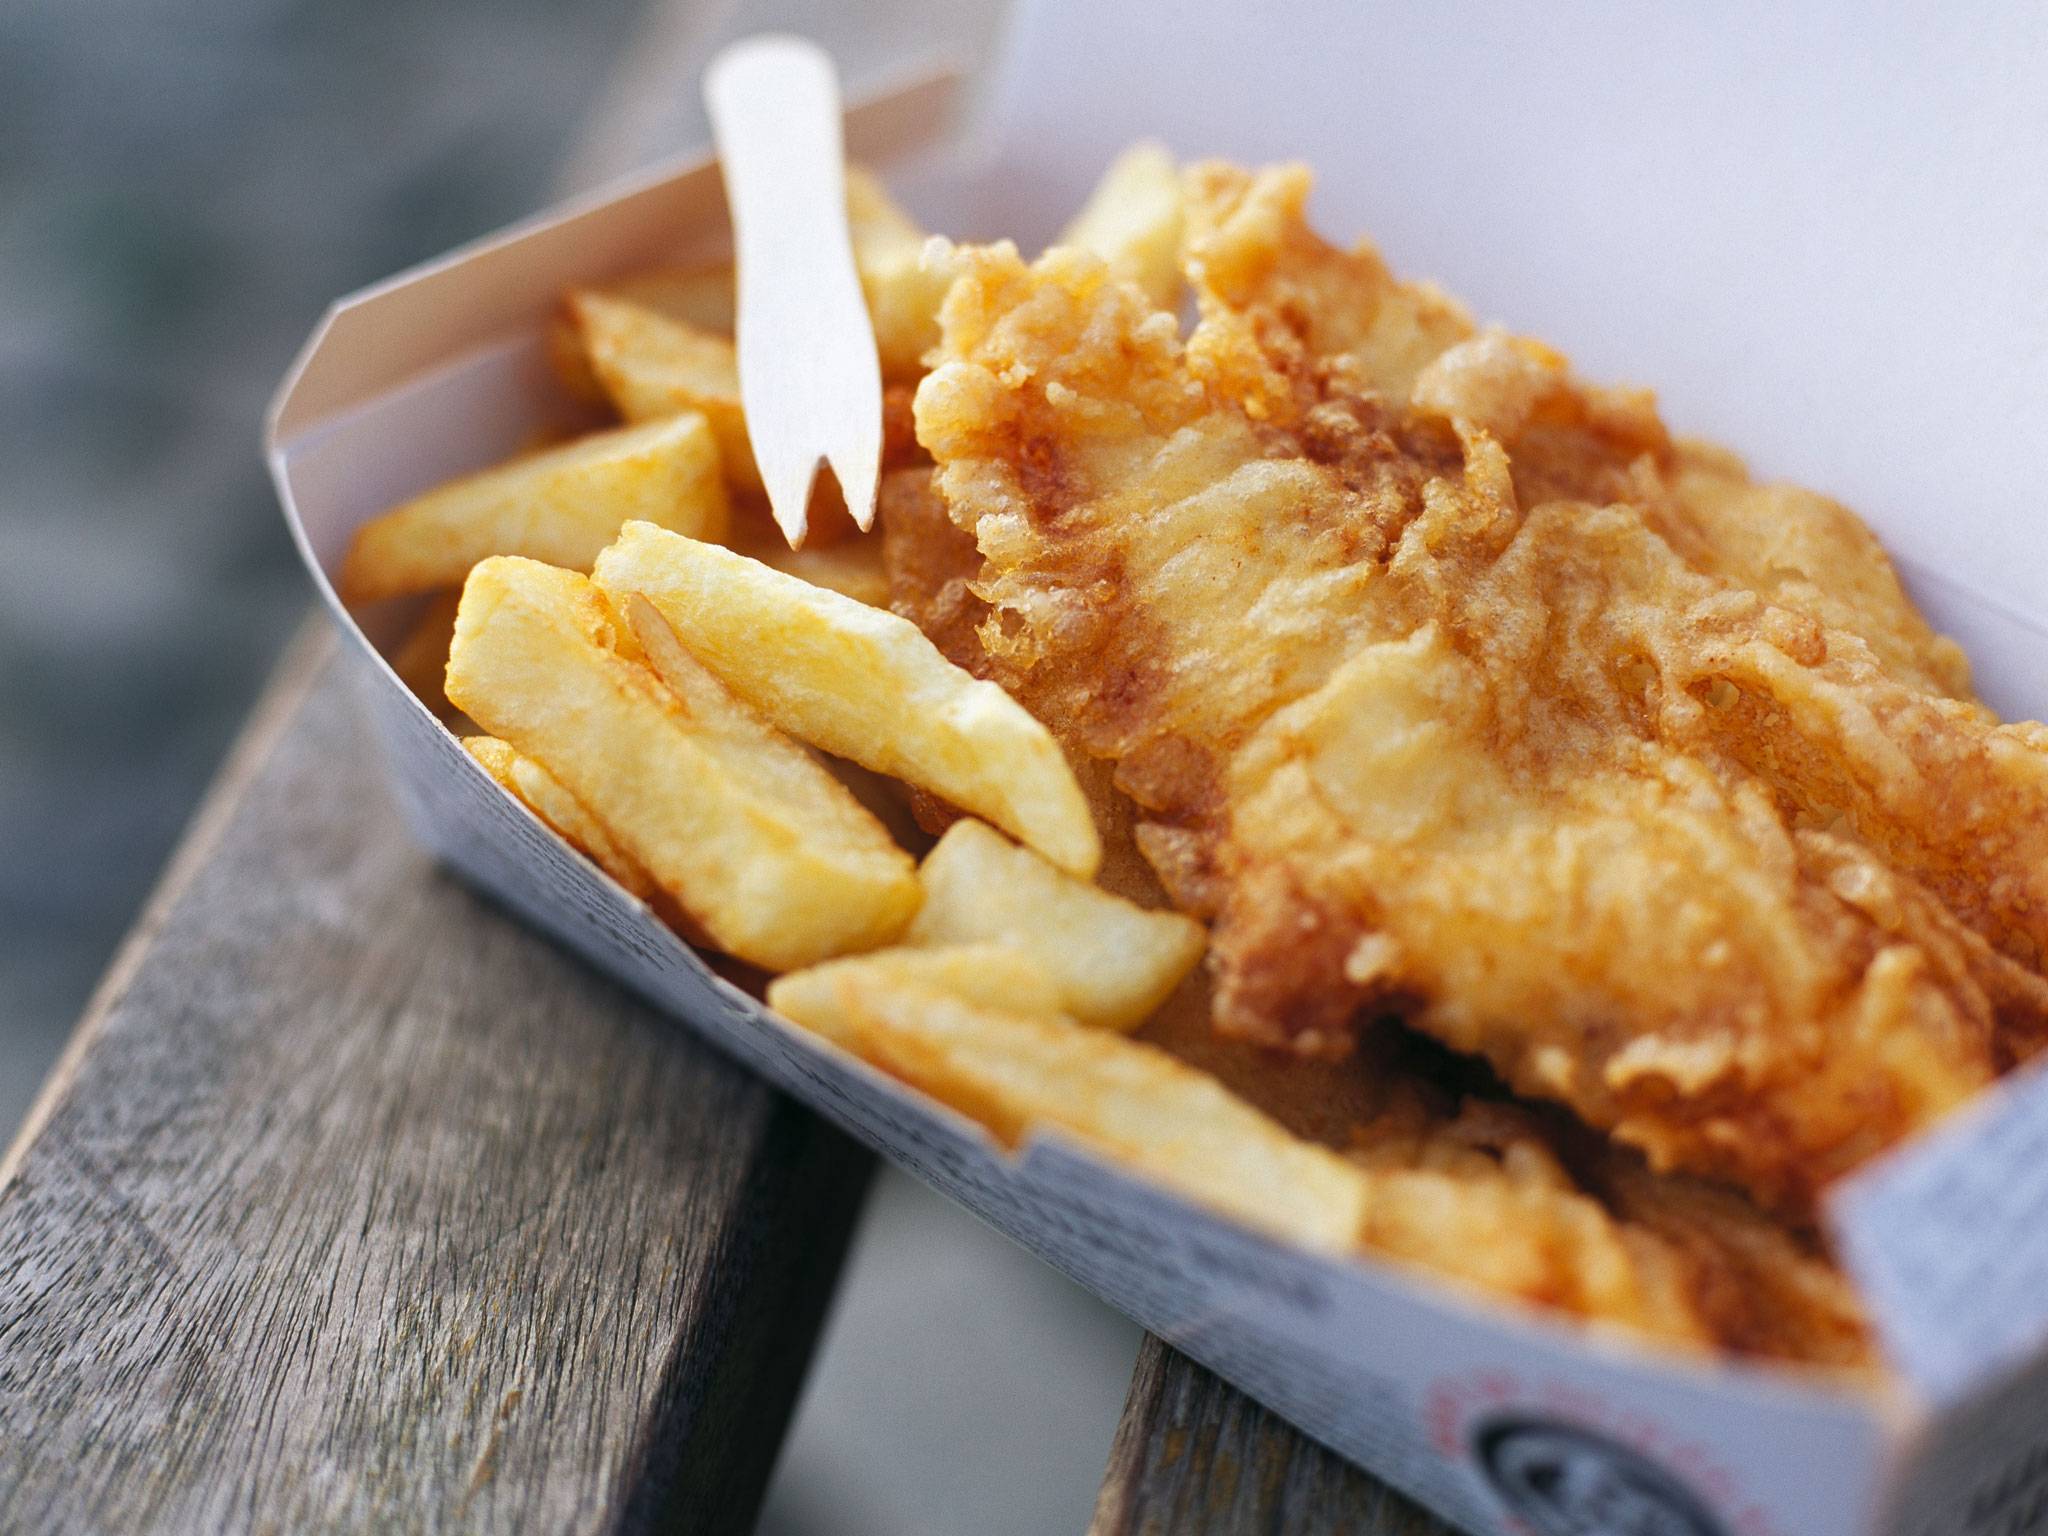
{"x": 857, "y": 464}
{"x": 810, "y": 378}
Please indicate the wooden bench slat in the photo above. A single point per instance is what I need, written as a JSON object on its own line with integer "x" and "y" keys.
{"x": 1193, "y": 1456}
{"x": 357, "y": 1207}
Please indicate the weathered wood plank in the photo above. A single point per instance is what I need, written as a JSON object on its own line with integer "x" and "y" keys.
{"x": 1193, "y": 1456}
{"x": 357, "y": 1207}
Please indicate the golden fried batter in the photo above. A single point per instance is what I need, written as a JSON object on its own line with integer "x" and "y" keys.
{"x": 930, "y": 565}
{"x": 1483, "y": 1195}
{"x": 1449, "y": 686}
{"x": 1522, "y": 1203}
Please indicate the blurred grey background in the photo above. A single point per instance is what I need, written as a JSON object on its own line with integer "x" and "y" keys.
{"x": 182, "y": 187}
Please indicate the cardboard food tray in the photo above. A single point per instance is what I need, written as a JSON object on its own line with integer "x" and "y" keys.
{"x": 1502, "y": 1419}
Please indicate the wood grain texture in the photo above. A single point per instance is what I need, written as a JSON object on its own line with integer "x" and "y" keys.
{"x": 1193, "y": 1456}
{"x": 358, "y": 1207}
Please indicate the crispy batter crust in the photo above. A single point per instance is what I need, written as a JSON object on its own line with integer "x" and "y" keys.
{"x": 1521, "y": 1202}
{"x": 1450, "y": 686}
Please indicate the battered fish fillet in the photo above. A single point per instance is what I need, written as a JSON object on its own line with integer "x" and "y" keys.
{"x": 1483, "y": 1196}
{"x": 1450, "y": 687}
{"x": 1467, "y": 1187}
{"x": 1521, "y": 1203}
{"x": 930, "y": 566}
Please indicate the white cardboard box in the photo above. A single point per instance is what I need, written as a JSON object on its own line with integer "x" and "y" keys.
{"x": 1504, "y": 1420}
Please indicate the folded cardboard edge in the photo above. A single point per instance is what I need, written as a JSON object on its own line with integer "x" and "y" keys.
{"x": 1958, "y": 1314}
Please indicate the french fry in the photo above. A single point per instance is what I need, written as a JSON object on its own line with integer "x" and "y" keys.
{"x": 861, "y": 683}
{"x": 700, "y": 295}
{"x": 421, "y": 659}
{"x": 1132, "y": 220}
{"x": 541, "y": 793}
{"x": 653, "y": 367}
{"x": 560, "y": 505}
{"x": 648, "y": 638}
{"x": 742, "y": 828}
{"x": 1113, "y": 961}
{"x": 649, "y": 344}
{"x": 1017, "y": 1071}
{"x": 986, "y": 975}
{"x": 851, "y": 566}
{"x": 903, "y": 294}
{"x": 903, "y": 302}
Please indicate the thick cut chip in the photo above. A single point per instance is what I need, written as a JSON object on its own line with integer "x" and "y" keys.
{"x": 656, "y": 344}
{"x": 903, "y": 294}
{"x": 653, "y": 367}
{"x": 541, "y": 793}
{"x": 746, "y": 831}
{"x": 1133, "y": 221}
{"x": 888, "y": 245}
{"x": 851, "y": 566}
{"x": 860, "y": 683}
{"x": 986, "y": 975}
{"x": 561, "y": 505}
{"x": 701, "y": 296}
{"x": 1016, "y": 1072}
{"x": 1114, "y": 962}
{"x": 648, "y": 638}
